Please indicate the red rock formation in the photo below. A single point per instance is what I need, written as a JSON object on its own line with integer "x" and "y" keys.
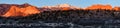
{"x": 117, "y": 8}
{"x": 98, "y": 6}
{"x": 65, "y": 8}
{"x": 18, "y": 11}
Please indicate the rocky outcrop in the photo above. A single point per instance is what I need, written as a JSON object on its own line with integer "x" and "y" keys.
{"x": 24, "y": 10}
{"x": 116, "y": 8}
{"x": 99, "y": 6}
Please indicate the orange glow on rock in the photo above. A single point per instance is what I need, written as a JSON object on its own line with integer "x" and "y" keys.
{"x": 117, "y": 8}
{"x": 17, "y": 11}
{"x": 98, "y": 6}
{"x": 65, "y": 8}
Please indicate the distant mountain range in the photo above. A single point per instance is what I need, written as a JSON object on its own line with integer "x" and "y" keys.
{"x": 7, "y": 10}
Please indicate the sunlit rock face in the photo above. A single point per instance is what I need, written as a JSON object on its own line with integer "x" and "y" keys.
{"x": 117, "y": 8}
{"x": 65, "y": 8}
{"x": 99, "y": 6}
{"x": 21, "y": 11}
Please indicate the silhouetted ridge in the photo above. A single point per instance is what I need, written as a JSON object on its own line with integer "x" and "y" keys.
{"x": 21, "y": 5}
{"x": 4, "y": 8}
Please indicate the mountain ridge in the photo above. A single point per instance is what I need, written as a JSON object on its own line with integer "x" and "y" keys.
{"x": 27, "y": 9}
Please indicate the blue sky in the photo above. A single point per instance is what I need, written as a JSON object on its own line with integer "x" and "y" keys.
{"x": 79, "y": 3}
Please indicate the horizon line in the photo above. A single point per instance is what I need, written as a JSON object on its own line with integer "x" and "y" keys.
{"x": 63, "y": 3}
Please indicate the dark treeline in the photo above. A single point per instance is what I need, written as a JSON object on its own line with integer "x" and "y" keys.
{"x": 75, "y": 16}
